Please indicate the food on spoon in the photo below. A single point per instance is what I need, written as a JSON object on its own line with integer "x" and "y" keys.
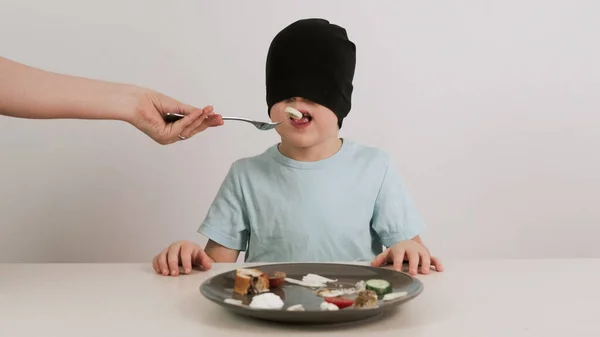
{"x": 266, "y": 301}
{"x": 293, "y": 113}
{"x": 250, "y": 281}
{"x": 233, "y": 301}
{"x": 340, "y": 302}
{"x": 277, "y": 279}
{"x": 393, "y": 296}
{"x": 297, "y": 307}
{"x": 366, "y": 299}
{"x": 380, "y": 287}
{"x": 326, "y": 306}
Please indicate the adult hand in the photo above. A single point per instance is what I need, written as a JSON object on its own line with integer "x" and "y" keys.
{"x": 151, "y": 107}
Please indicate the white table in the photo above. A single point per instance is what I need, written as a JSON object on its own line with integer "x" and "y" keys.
{"x": 471, "y": 298}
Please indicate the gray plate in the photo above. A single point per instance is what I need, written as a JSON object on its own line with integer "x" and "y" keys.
{"x": 220, "y": 287}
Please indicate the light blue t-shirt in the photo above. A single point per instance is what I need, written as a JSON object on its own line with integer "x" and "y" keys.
{"x": 341, "y": 209}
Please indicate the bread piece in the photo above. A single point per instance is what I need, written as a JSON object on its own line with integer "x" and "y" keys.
{"x": 250, "y": 281}
{"x": 366, "y": 299}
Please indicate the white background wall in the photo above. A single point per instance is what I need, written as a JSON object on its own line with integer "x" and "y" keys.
{"x": 490, "y": 109}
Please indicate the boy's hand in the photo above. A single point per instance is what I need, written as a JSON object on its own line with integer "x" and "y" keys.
{"x": 186, "y": 253}
{"x": 409, "y": 250}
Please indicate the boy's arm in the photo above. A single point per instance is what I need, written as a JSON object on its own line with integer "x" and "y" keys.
{"x": 396, "y": 222}
{"x": 226, "y": 224}
{"x": 221, "y": 254}
{"x": 395, "y": 219}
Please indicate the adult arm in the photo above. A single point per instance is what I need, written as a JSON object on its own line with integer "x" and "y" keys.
{"x": 28, "y": 92}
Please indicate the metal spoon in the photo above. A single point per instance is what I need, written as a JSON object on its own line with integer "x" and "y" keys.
{"x": 172, "y": 117}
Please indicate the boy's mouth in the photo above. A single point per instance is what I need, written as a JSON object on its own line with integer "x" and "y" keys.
{"x": 302, "y": 122}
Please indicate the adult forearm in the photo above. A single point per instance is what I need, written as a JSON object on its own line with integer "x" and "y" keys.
{"x": 28, "y": 92}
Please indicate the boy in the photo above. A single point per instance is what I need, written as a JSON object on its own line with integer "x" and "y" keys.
{"x": 314, "y": 196}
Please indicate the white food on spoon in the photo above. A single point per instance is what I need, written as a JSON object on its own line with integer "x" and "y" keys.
{"x": 266, "y": 301}
{"x": 297, "y": 307}
{"x": 393, "y": 296}
{"x": 232, "y": 301}
{"x": 295, "y": 114}
{"x": 326, "y": 306}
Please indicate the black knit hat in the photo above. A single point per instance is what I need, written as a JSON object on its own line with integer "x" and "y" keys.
{"x": 313, "y": 59}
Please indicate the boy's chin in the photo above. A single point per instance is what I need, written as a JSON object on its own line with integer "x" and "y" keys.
{"x": 299, "y": 141}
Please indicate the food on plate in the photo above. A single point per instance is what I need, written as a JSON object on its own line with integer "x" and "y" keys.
{"x": 279, "y": 292}
{"x": 348, "y": 291}
{"x": 311, "y": 281}
{"x": 293, "y": 113}
{"x": 326, "y": 306}
{"x": 310, "y": 278}
{"x": 366, "y": 299}
{"x": 340, "y": 302}
{"x": 268, "y": 292}
{"x": 393, "y": 296}
{"x": 330, "y": 292}
{"x": 266, "y": 301}
{"x": 297, "y": 307}
{"x": 245, "y": 299}
{"x": 304, "y": 284}
{"x": 300, "y": 283}
{"x": 277, "y": 279}
{"x": 380, "y": 287}
{"x": 250, "y": 281}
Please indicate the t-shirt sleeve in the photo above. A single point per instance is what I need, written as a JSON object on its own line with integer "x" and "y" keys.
{"x": 226, "y": 220}
{"x": 395, "y": 218}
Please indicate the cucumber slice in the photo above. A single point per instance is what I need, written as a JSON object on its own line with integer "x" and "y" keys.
{"x": 380, "y": 287}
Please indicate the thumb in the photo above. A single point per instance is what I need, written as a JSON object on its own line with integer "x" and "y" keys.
{"x": 380, "y": 259}
{"x": 165, "y": 104}
{"x": 191, "y": 115}
{"x": 203, "y": 260}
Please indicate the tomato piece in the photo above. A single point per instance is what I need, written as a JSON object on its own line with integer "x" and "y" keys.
{"x": 341, "y": 302}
